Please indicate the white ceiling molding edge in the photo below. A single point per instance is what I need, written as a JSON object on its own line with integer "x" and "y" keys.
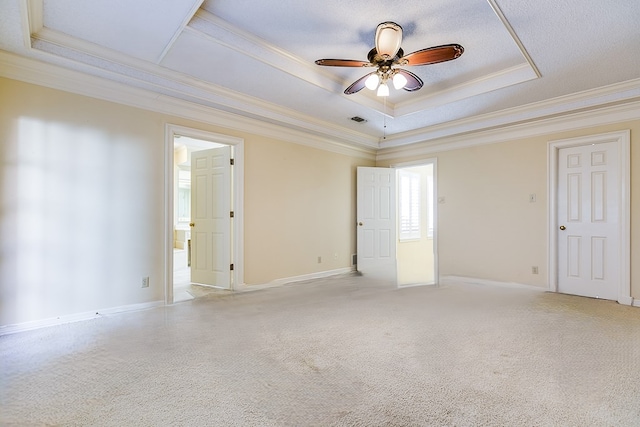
{"x": 590, "y": 99}
{"x": 49, "y": 75}
{"x": 116, "y": 66}
{"x": 32, "y": 17}
{"x": 514, "y": 36}
{"x": 604, "y": 115}
{"x": 185, "y": 21}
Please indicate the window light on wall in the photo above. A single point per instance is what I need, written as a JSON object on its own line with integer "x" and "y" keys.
{"x": 409, "y": 205}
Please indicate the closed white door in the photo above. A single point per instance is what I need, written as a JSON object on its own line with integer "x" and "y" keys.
{"x": 589, "y": 220}
{"x": 211, "y": 217}
{"x": 376, "y": 222}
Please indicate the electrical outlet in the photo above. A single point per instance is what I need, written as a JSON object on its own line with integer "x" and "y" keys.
{"x": 145, "y": 282}
{"x": 335, "y": 256}
{"x": 534, "y": 269}
{"x": 319, "y": 260}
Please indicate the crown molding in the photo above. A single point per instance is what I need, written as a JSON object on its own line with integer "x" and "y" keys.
{"x": 626, "y": 106}
{"x": 66, "y": 51}
{"x": 589, "y": 99}
{"x": 45, "y": 74}
{"x": 603, "y": 115}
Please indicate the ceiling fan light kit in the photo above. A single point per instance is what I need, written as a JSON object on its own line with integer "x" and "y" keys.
{"x": 387, "y": 55}
{"x": 388, "y": 39}
{"x": 383, "y": 90}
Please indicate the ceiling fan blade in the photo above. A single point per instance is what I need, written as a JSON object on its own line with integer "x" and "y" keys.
{"x": 358, "y": 85}
{"x": 413, "y": 82}
{"x": 343, "y": 63}
{"x": 433, "y": 55}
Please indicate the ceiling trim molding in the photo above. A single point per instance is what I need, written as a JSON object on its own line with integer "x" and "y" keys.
{"x": 180, "y": 29}
{"x": 603, "y": 115}
{"x": 32, "y": 12}
{"x": 514, "y": 36}
{"x": 56, "y": 77}
{"x": 589, "y": 99}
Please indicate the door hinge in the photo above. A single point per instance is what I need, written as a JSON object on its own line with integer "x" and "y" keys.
{"x": 232, "y": 162}
{"x": 231, "y": 267}
{"x": 232, "y": 214}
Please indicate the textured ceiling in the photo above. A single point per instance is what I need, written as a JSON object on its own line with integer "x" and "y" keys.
{"x": 256, "y": 58}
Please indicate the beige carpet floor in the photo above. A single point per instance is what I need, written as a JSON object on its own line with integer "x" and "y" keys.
{"x": 345, "y": 351}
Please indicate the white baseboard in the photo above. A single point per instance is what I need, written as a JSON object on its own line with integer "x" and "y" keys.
{"x": 625, "y": 301}
{"x": 78, "y": 317}
{"x": 484, "y": 282}
{"x": 302, "y": 278}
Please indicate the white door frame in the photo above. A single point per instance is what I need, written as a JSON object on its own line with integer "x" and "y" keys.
{"x": 237, "y": 239}
{"x": 432, "y": 161}
{"x": 623, "y": 139}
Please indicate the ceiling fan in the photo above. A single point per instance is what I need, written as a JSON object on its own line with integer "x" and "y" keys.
{"x": 387, "y": 55}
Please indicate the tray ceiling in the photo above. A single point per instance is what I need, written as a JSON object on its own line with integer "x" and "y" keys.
{"x": 256, "y": 58}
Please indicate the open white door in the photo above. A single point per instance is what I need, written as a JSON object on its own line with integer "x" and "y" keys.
{"x": 211, "y": 217}
{"x": 376, "y": 217}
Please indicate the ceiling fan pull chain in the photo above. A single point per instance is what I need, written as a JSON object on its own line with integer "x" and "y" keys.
{"x": 384, "y": 119}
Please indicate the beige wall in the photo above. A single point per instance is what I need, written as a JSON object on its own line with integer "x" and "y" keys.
{"x": 82, "y": 209}
{"x": 488, "y": 228}
{"x": 299, "y": 205}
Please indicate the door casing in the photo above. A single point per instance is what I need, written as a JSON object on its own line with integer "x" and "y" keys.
{"x": 171, "y": 130}
{"x": 623, "y": 140}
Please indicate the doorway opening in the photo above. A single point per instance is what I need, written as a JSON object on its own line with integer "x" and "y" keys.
{"x": 204, "y": 201}
{"x": 416, "y": 219}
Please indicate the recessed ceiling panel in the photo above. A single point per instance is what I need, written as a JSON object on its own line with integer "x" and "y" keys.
{"x": 336, "y": 29}
{"x": 139, "y": 28}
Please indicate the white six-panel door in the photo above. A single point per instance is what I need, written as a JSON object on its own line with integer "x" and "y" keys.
{"x": 588, "y": 220}
{"x": 376, "y": 222}
{"x": 211, "y": 217}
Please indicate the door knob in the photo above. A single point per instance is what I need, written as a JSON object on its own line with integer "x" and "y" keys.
{"x": 192, "y": 224}
{"x": 360, "y": 224}
{"x": 562, "y": 227}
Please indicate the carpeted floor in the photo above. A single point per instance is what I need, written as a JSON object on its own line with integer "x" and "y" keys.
{"x": 344, "y": 351}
